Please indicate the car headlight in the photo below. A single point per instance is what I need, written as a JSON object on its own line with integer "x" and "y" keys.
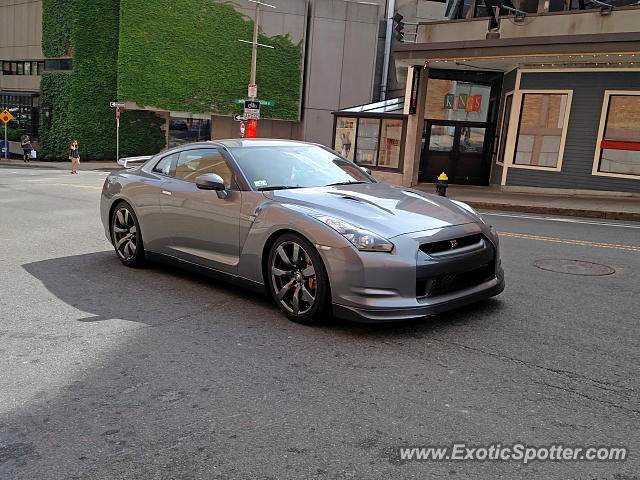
{"x": 362, "y": 239}
{"x": 472, "y": 212}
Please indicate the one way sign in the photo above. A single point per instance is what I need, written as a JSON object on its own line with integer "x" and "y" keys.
{"x": 251, "y": 110}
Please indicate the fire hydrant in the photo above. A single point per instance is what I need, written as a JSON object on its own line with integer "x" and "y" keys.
{"x": 442, "y": 184}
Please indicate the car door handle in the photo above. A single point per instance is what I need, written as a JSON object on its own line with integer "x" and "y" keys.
{"x": 165, "y": 192}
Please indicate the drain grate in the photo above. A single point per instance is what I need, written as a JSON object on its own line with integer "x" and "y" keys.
{"x": 573, "y": 267}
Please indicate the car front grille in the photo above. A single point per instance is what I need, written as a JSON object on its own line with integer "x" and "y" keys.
{"x": 449, "y": 246}
{"x": 457, "y": 280}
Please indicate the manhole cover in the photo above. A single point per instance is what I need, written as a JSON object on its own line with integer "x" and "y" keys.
{"x": 573, "y": 267}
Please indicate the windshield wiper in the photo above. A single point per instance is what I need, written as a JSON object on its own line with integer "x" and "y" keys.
{"x": 345, "y": 183}
{"x": 277, "y": 187}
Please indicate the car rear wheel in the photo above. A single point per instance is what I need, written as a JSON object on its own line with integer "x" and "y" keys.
{"x": 297, "y": 279}
{"x": 126, "y": 236}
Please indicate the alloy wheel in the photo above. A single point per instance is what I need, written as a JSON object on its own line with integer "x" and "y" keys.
{"x": 125, "y": 233}
{"x": 294, "y": 278}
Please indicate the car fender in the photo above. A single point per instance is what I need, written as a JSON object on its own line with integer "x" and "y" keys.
{"x": 274, "y": 217}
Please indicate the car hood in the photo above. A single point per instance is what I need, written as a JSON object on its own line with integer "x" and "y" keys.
{"x": 385, "y": 209}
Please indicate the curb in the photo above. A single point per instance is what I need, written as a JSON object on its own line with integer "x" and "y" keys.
{"x": 54, "y": 167}
{"x": 567, "y": 212}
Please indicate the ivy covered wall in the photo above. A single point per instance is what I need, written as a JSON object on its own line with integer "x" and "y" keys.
{"x": 78, "y": 101}
{"x": 56, "y": 27}
{"x": 185, "y": 55}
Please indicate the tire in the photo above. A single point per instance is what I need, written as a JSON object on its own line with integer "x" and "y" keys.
{"x": 126, "y": 236}
{"x": 297, "y": 279}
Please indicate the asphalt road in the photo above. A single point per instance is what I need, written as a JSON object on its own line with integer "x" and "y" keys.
{"x": 108, "y": 372}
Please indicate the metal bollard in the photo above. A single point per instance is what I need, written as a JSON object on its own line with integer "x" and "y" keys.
{"x": 442, "y": 184}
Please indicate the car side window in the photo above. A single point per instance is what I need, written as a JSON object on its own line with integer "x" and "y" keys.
{"x": 193, "y": 163}
{"x": 164, "y": 165}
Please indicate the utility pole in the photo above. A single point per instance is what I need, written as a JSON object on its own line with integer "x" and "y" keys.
{"x": 253, "y": 89}
{"x": 254, "y": 48}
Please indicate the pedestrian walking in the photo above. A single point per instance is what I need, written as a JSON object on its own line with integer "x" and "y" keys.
{"x": 74, "y": 156}
{"x": 26, "y": 148}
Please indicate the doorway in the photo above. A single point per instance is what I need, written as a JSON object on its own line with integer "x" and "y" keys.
{"x": 461, "y": 112}
{"x": 458, "y": 149}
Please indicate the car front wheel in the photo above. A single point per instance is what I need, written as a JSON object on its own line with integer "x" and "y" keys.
{"x": 126, "y": 236}
{"x": 297, "y": 279}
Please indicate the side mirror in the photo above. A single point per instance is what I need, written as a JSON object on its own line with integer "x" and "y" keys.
{"x": 211, "y": 181}
{"x": 366, "y": 170}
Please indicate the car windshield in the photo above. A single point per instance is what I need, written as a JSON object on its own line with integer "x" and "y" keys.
{"x": 296, "y": 166}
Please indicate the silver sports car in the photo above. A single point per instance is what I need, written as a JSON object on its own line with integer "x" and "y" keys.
{"x": 298, "y": 220}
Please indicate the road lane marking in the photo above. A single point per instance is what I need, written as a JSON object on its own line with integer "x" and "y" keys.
{"x": 65, "y": 185}
{"x": 564, "y": 220}
{"x": 586, "y": 243}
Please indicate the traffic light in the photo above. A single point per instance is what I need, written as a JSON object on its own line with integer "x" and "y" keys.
{"x": 398, "y": 27}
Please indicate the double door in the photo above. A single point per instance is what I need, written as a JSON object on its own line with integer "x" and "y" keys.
{"x": 459, "y": 149}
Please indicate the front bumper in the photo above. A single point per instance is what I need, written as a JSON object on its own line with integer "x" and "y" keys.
{"x": 481, "y": 292}
{"x": 410, "y": 283}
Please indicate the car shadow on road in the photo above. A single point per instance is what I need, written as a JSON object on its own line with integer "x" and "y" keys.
{"x": 99, "y": 285}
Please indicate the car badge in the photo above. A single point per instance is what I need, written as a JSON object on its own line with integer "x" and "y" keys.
{"x": 454, "y": 243}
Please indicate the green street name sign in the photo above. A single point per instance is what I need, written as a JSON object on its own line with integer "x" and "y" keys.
{"x": 267, "y": 103}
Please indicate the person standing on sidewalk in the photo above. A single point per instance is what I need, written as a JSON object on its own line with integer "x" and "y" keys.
{"x": 74, "y": 156}
{"x": 26, "y": 148}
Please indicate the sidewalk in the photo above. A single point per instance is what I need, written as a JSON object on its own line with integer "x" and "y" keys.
{"x": 88, "y": 165}
{"x": 593, "y": 206}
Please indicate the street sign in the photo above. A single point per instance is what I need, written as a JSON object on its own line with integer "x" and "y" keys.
{"x": 252, "y": 90}
{"x": 239, "y": 118}
{"x": 116, "y": 104}
{"x": 266, "y": 103}
{"x": 252, "y": 110}
{"x": 5, "y": 116}
{"x": 242, "y": 129}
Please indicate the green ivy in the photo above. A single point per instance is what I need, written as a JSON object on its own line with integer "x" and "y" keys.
{"x": 78, "y": 101}
{"x": 56, "y": 27}
{"x": 185, "y": 55}
{"x": 55, "y": 129}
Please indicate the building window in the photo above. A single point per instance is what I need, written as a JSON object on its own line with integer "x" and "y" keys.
{"x": 619, "y": 147}
{"x": 368, "y": 135}
{"x": 369, "y": 141}
{"x": 455, "y": 100}
{"x": 22, "y": 68}
{"x": 504, "y": 127}
{"x": 24, "y": 108}
{"x": 542, "y": 129}
{"x": 346, "y": 136}
{"x": 196, "y": 128}
{"x": 58, "y": 65}
{"x": 390, "y": 142}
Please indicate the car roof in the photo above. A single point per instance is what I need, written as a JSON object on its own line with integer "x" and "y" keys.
{"x": 243, "y": 142}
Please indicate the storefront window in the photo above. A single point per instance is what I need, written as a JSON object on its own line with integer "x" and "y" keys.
{"x": 542, "y": 120}
{"x": 621, "y": 140}
{"x": 390, "y": 141}
{"x": 367, "y": 146}
{"x": 346, "y": 136}
{"x": 441, "y": 138}
{"x": 471, "y": 139}
{"x": 457, "y": 101}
